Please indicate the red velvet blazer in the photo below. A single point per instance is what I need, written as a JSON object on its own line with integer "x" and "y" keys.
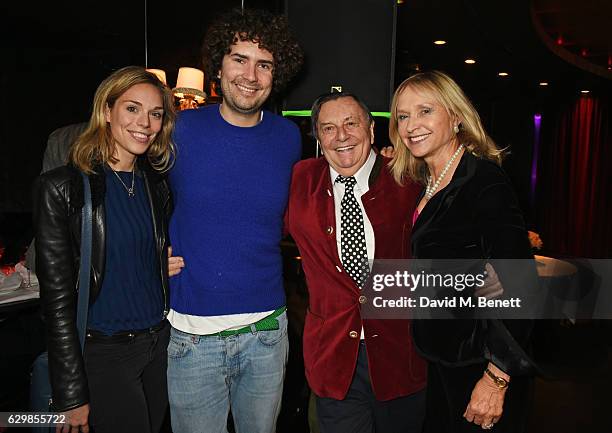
{"x": 333, "y": 321}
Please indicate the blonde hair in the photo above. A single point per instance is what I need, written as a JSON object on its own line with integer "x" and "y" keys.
{"x": 96, "y": 144}
{"x": 448, "y": 94}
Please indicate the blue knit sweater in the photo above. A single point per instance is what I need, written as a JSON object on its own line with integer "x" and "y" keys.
{"x": 230, "y": 187}
{"x": 131, "y": 293}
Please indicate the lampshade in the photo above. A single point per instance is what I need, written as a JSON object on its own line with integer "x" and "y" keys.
{"x": 190, "y": 83}
{"x": 160, "y": 73}
{"x": 190, "y": 77}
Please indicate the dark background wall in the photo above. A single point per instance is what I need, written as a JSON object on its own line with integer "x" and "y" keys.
{"x": 55, "y": 54}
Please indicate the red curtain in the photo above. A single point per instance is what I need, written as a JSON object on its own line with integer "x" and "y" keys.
{"x": 575, "y": 181}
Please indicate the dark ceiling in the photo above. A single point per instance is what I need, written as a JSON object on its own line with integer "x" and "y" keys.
{"x": 501, "y": 37}
{"x": 582, "y": 29}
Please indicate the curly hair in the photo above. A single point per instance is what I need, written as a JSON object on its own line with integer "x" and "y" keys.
{"x": 270, "y": 32}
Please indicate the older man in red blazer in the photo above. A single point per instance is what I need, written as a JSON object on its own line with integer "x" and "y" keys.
{"x": 365, "y": 373}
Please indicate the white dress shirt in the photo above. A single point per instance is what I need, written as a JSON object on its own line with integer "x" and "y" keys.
{"x": 361, "y": 177}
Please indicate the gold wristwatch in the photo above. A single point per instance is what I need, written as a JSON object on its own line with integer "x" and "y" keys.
{"x": 500, "y": 382}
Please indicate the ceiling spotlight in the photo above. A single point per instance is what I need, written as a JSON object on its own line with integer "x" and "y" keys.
{"x": 585, "y": 91}
{"x": 470, "y": 61}
{"x": 543, "y": 83}
{"x": 440, "y": 42}
{"x": 503, "y": 74}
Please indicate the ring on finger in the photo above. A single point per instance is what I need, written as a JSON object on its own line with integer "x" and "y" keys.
{"x": 488, "y": 426}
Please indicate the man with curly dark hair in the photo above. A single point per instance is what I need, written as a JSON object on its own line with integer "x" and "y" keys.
{"x": 270, "y": 32}
{"x": 230, "y": 181}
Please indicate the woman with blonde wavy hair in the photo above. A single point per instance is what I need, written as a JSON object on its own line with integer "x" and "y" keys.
{"x": 119, "y": 383}
{"x": 478, "y": 369}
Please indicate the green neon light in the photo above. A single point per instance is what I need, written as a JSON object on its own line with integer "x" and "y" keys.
{"x": 306, "y": 113}
{"x": 297, "y": 113}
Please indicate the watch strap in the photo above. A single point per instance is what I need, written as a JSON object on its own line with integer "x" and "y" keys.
{"x": 500, "y": 382}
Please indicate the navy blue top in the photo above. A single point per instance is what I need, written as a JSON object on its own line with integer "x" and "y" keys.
{"x": 230, "y": 187}
{"x": 131, "y": 294}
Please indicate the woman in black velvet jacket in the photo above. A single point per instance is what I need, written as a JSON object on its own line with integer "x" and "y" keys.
{"x": 478, "y": 369}
{"x": 119, "y": 384}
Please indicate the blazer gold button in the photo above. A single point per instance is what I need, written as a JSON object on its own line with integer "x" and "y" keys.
{"x": 329, "y": 230}
{"x": 362, "y": 299}
{"x": 353, "y": 334}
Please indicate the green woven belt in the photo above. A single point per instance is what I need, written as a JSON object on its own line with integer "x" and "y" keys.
{"x": 268, "y": 323}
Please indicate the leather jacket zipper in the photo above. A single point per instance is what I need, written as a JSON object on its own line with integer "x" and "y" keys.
{"x": 159, "y": 243}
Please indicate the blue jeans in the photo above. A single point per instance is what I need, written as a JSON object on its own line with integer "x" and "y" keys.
{"x": 208, "y": 374}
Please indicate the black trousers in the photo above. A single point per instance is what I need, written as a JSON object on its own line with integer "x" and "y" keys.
{"x": 360, "y": 412}
{"x": 449, "y": 391}
{"x": 127, "y": 381}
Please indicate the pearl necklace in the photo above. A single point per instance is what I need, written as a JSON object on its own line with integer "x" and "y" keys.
{"x": 432, "y": 187}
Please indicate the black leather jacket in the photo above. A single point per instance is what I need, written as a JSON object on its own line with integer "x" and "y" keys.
{"x": 57, "y": 221}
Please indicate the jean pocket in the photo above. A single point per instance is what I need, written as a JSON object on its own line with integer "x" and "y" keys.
{"x": 177, "y": 347}
{"x": 271, "y": 338}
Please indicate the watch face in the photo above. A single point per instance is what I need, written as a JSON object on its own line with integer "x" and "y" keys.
{"x": 501, "y": 382}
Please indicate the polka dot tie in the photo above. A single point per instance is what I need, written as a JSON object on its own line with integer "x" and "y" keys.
{"x": 352, "y": 239}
